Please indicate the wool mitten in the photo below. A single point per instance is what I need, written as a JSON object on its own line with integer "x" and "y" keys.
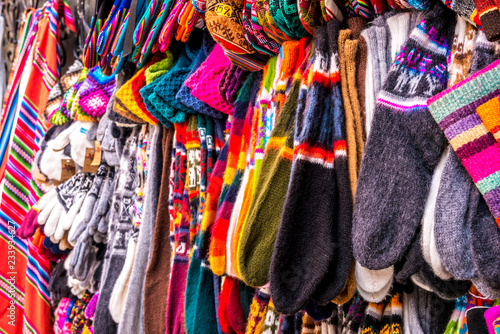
{"x": 412, "y": 261}
{"x": 455, "y": 112}
{"x": 485, "y": 240}
{"x": 261, "y": 227}
{"x": 448, "y": 290}
{"x": 342, "y": 261}
{"x": 453, "y": 216}
{"x": 372, "y": 318}
{"x": 29, "y": 225}
{"x": 400, "y": 117}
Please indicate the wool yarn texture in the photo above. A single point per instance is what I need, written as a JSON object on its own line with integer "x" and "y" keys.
{"x": 472, "y": 130}
{"x": 403, "y": 97}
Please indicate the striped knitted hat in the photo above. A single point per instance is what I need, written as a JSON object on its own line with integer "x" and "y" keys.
{"x": 467, "y": 113}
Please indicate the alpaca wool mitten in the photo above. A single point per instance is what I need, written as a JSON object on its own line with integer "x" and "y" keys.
{"x": 388, "y": 172}
{"x": 457, "y": 110}
{"x": 259, "y": 232}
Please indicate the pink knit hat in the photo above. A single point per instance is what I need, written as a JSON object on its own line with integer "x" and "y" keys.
{"x": 204, "y": 82}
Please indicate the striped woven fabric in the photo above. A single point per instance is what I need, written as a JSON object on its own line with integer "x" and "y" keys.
{"x": 30, "y": 272}
{"x": 461, "y": 112}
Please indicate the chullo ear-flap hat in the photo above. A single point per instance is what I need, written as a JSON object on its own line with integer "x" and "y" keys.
{"x": 266, "y": 21}
{"x": 285, "y": 14}
{"x": 224, "y": 20}
{"x": 254, "y": 32}
{"x": 310, "y": 14}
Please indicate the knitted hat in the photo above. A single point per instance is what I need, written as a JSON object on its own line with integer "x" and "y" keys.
{"x": 332, "y": 10}
{"x": 315, "y": 155}
{"x": 266, "y": 21}
{"x": 153, "y": 75}
{"x": 72, "y": 75}
{"x": 129, "y": 98}
{"x": 254, "y": 33}
{"x": 478, "y": 151}
{"x": 170, "y": 83}
{"x": 205, "y": 80}
{"x": 231, "y": 82}
{"x": 310, "y": 14}
{"x": 95, "y": 93}
{"x": 200, "y": 305}
{"x": 115, "y": 113}
{"x": 465, "y": 8}
{"x": 380, "y": 239}
{"x": 184, "y": 94}
{"x": 250, "y": 62}
{"x": 227, "y": 30}
{"x": 54, "y": 100}
{"x": 286, "y": 16}
{"x": 233, "y": 175}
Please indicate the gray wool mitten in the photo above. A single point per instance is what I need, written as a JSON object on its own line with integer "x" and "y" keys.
{"x": 93, "y": 193}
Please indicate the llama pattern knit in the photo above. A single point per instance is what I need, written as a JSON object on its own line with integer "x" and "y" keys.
{"x": 395, "y": 178}
{"x": 458, "y": 112}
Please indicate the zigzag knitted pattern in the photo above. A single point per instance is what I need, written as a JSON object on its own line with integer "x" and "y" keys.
{"x": 458, "y": 112}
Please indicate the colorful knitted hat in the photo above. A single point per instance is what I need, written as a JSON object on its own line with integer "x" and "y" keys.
{"x": 250, "y": 62}
{"x": 254, "y": 33}
{"x": 465, "y": 8}
{"x": 153, "y": 76}
{"x": 205, "y": 81}
{"x": 55, "y": 100}
{"x": 286, "y": 15}
{"x": 184, "y": 94}
{"x": 224, "y": 21}
{"x": 170, "y": 83}
{"x": 72, "y": 75}
{"x": 310, "y": 14}
{"x": 231, "y": 82}
{"x": 95, "y": 93}
{"x": 458, "y": 112}
{"x": 129, "y": 99}
{"x": 266, "y": 21}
